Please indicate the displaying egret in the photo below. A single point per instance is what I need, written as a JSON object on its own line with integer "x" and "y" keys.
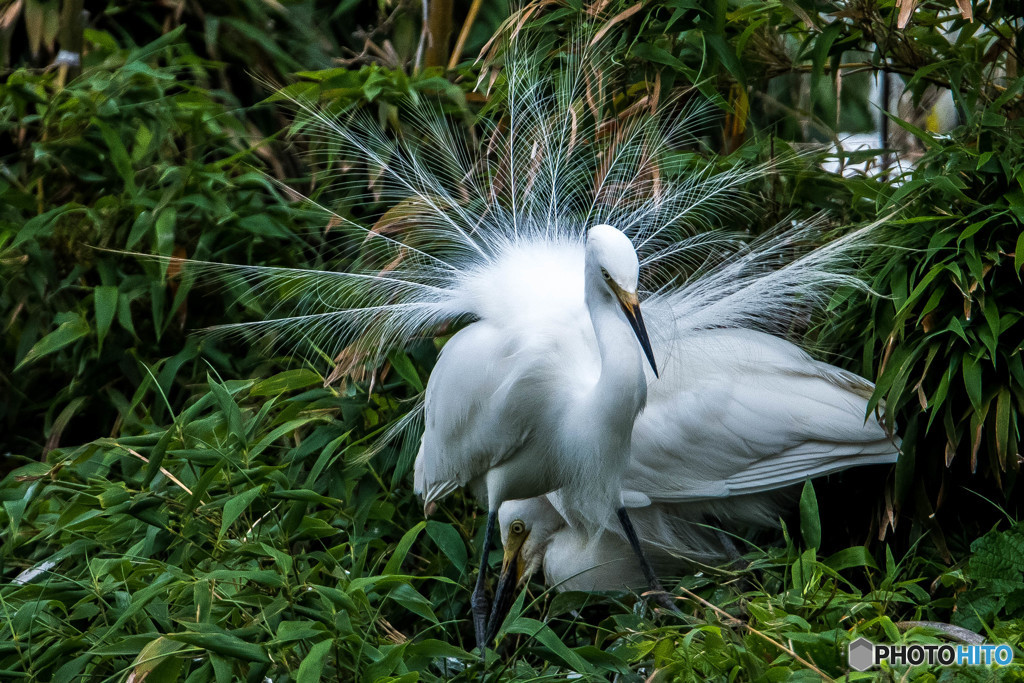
{"x": 541, "y": 240}
{"x": 542, "y": 396}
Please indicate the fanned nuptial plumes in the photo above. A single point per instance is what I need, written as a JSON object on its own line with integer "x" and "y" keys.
{"x": 479, "y": 220}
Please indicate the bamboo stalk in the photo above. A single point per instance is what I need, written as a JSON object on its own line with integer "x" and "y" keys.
{"x": 464, "y": 33}
{"x": 72, "y": 41}
{"x": 440, "y": 30}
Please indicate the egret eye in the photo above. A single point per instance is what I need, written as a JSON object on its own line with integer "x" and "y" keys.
{"x": 605, "y": 275}
{"x": 517, "y": 527}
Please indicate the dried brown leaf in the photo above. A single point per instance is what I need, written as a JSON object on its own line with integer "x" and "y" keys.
{"x": 621, "y": 16}
{"x": 511, "y": 26}
{"x": 390, "y": 632}
{"x": 10, "y": 15}
{"x": 965, "y": 9}
{"x": 808, "y": 20}
{"x": 950, "y": 452}
{"x": 906, "y": 8}
{"x": 349, "y": 364}
{"x": 976, "y": 445}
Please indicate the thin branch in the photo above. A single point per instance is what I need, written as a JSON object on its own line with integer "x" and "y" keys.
{"x": 733, "y": 621}
{"x": 424, "y": 36}
{"x": 163, "y": 470}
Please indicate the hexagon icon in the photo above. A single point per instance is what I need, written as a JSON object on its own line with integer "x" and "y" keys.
{"x": 861, "y": 654}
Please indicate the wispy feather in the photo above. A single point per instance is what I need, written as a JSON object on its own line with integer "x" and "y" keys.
{"x": 552, "y": 157}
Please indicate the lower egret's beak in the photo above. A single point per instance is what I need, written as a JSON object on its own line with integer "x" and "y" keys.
{"x": 631, "y": 307}
{"x": 512, "y": 566}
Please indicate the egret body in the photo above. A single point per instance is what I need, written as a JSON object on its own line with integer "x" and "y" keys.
{"x": 532, "y": 402}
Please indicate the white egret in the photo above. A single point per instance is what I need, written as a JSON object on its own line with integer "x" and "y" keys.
{"x": 542, "y": 395}
{"x": 736, "y": 415}
{"x": 546, "y": 403}
{"x": 540, "y": 390}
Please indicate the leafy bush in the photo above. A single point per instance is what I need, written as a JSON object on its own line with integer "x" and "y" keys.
{"x": 98, "y": 166}
{"x": 247, "y": 529}
{"x": 229, "y": 527}
{"x": 946, "y": 341}
{"x": 996, "y": 571}
{"x": 251, "y": 537}
{"x": 150, "y": 150}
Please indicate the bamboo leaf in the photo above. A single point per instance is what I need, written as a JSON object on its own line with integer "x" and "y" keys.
{"x": 972, "y": 380}
{"x": 105, "y": 303}
{"x": 235, "y": 507}
{"x": 810, "y": 522}
{"x": 402, "y": 549}
{"x": 223, "y": 644}
{"x": 66, "y": 333}
{"x": 312, "y": 667}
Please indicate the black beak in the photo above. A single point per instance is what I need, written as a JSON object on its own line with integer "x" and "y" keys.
{"x": 504, "y": 596}
{"x": 636, "y": 321}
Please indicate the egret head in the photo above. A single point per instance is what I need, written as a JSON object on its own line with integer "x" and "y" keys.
{"x": 611, "y": 256}
{"x": 517, "y": 557}
{"x": 526, "y": 529}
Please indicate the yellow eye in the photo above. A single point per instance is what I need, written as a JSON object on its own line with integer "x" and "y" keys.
{"x": 517, "y": 527}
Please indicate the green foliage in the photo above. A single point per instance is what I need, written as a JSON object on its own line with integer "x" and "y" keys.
{"x": 98, "y": 166}
{"x": 248, "y": 538}
{"x": 256, "y": 528}
{"x": 946, "y": 341}
{"x": 996, "y": 570}
{"x": 244, "y": 534}
{"x": 150, "y": 149}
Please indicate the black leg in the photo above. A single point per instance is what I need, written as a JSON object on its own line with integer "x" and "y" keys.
{"x": 479, "y": 602}
{"x": 730, "y": 549}
{"x": 645, "y": 566}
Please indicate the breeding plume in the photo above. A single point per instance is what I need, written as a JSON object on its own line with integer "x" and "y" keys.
{"x": 539, "y": 236}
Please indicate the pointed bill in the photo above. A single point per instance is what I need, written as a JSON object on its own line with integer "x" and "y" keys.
{"x": 512, "y": 566}
{"x": 631, "y": 307}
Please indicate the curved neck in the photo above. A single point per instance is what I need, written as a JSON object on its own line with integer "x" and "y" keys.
{"x": 621, "y": 389}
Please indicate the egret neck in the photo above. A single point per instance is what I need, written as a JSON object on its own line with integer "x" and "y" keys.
{"x": 621, "y": 389}
{"x": 609, "y": 408}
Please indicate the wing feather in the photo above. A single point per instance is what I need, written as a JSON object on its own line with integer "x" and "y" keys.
{"x": 740, "y": 412}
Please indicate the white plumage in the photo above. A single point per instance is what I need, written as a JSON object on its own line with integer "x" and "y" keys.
{"x": 736, "y": 415}
{"x": 542, "y": 391}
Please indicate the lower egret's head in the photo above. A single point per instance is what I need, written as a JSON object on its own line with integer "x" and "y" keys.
{"x": 526, "y": 528}
{"x": 611, "y": 255}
